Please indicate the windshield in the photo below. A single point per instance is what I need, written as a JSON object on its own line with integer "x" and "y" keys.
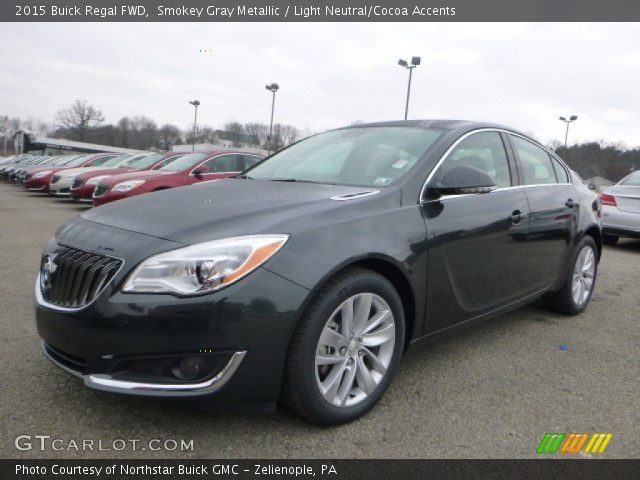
{"x": 633, "y": 180}
{"x": 363, "y": 156}
{"x": 107, "y": 161}
{"x": 78, "y": 161}
{"x": 183, "y": 163}
{"x": 144, "y": 162}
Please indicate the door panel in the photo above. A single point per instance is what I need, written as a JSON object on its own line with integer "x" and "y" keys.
{"x": 477, "y": 253}
{"x": 553, "y": 205}
{"x": 552, "y": 228}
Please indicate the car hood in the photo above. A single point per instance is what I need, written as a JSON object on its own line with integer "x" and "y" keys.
{"x": 231, "y": 207}
{"x": 137, "y": 175}
{"x": 72, "y": 172}
{"x": 624, "y": 190}
{"x": 95, "y": 171}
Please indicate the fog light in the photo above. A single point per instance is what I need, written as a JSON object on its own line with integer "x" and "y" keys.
{"x": 187, "y": 368}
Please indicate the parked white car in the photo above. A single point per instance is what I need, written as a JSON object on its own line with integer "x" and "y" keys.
{"x": 621, "y": 209}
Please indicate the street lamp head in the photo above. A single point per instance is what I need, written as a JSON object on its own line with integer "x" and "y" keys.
{"x": 415, "y": 61}
{"x": 573, "y": 117}
{"x": 195, "y": 103}
{"x": 272, "y": 87}
{"x": 402, "y": 63}
{"x": 562, "y": 118}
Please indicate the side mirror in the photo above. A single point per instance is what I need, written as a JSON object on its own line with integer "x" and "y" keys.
{"x": 462, "y": 180}
{"x": 591, "y": 186}
{"x": 200, "y": 170}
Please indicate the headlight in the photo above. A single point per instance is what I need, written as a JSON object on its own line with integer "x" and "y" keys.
{"x": 96, "y": 180}
{"x": 204, "y": 267}
{"x": 126, "y": 186}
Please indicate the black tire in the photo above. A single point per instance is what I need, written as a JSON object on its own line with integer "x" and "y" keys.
{"x": 610, "y": 239}
{"x": 562, "y": 301}
{"x": 300, "y": 391}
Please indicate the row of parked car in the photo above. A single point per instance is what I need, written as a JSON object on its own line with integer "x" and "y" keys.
{"x": 105, "y": 177}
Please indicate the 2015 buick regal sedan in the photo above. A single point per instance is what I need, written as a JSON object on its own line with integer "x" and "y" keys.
{"x": 306, "y": 277}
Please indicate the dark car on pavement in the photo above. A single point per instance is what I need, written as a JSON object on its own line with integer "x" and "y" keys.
{"x": 306, "y": 277}
{"x": 84, "y": 184}
{"x": 192, "y": 168}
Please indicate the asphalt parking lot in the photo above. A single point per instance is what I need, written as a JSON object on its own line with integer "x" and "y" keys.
{"x": 491, "y": 391}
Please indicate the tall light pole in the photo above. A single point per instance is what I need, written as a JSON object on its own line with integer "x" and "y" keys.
{"x": 273, "y": 88}
{"x": 195, "y": 103}
{"x": 572, "y": 118}
{"x": 415, "y": 61}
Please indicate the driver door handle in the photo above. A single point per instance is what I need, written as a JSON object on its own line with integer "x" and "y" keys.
{"x": 516, "y": 217}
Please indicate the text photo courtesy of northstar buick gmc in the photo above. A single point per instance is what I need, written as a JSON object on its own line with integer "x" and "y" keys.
{"x": 305, "y": 278}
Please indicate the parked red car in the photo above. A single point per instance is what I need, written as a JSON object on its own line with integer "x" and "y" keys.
{"x": 38, "y": 179}
{"x": 187, "y": 170}
{"x": 84, "y": 184}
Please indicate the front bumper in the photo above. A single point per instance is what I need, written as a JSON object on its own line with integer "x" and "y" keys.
{"x": 110, "y": 196}
{"x": 618, "y": 222}
{"x": 112, "y": 384}
{"x": 37, "y": 184}
{"x": 61, "y": 188}
{"x": 248, "y": 325}
{"x": 83, "y": 193}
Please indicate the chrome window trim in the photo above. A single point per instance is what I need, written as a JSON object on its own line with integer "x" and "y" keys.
{"x": 43, "y": 303}
{"x": 473, "y": 132}
{"x": 107, "y": 383}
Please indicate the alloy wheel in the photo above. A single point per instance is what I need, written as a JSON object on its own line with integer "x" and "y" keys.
{"x": 583, "y": 275}
{"x": 355, "y": 349}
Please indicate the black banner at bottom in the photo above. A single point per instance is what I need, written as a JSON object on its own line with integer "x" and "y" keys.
{"x": 583, "y": 469}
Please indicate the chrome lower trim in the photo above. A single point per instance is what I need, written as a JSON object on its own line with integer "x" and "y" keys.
{"x": 71, "y": 371}
{"x": 107, "y": 383}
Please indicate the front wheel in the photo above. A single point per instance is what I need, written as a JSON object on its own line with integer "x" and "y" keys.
{"x": 575, "y": 294}
{"x": 346, "y": 348}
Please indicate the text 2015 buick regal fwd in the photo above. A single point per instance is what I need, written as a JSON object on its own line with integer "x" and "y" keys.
{"x": 306, "y": 277}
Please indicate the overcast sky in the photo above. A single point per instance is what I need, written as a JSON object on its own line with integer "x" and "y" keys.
{"x": 522, "y": 75}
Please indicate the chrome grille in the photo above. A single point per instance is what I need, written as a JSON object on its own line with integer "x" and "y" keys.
{"x": 100, "y": 190}
{"x": 73, "y": 278}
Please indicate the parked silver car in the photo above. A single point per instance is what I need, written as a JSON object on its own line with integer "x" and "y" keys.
{"x": 621, "y": 209}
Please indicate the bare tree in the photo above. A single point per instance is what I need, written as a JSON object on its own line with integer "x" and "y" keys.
{"x": 237, "y": 129}
{"x": 79, "y": 119}
{"x": 259, "y": 130}
{"x": 168, "y": 136}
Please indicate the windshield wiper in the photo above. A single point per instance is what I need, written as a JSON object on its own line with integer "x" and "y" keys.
{"x": 242, "y": 175}
{"x": 292, "y": 180}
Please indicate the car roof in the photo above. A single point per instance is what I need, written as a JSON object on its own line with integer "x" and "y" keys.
{"x": 443, "y": 124}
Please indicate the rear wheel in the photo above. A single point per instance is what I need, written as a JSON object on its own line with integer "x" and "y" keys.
{"x": 346, "y": 348}
{"x": 575, "y": 294}
{"x": 610, "y": 239}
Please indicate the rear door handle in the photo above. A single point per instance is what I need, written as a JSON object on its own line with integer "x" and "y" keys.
{"x": 516, "y": 217}
{"x": 571, "y": 203}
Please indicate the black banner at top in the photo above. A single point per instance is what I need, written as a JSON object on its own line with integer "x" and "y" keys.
{"x": 319, "y": 11}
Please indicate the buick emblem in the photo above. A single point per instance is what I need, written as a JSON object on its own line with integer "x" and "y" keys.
{"x": 48, "y": 267}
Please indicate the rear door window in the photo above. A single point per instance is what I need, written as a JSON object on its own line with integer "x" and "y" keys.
{"x": 535, "y": 163}
{"x": 223, "y": 164}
